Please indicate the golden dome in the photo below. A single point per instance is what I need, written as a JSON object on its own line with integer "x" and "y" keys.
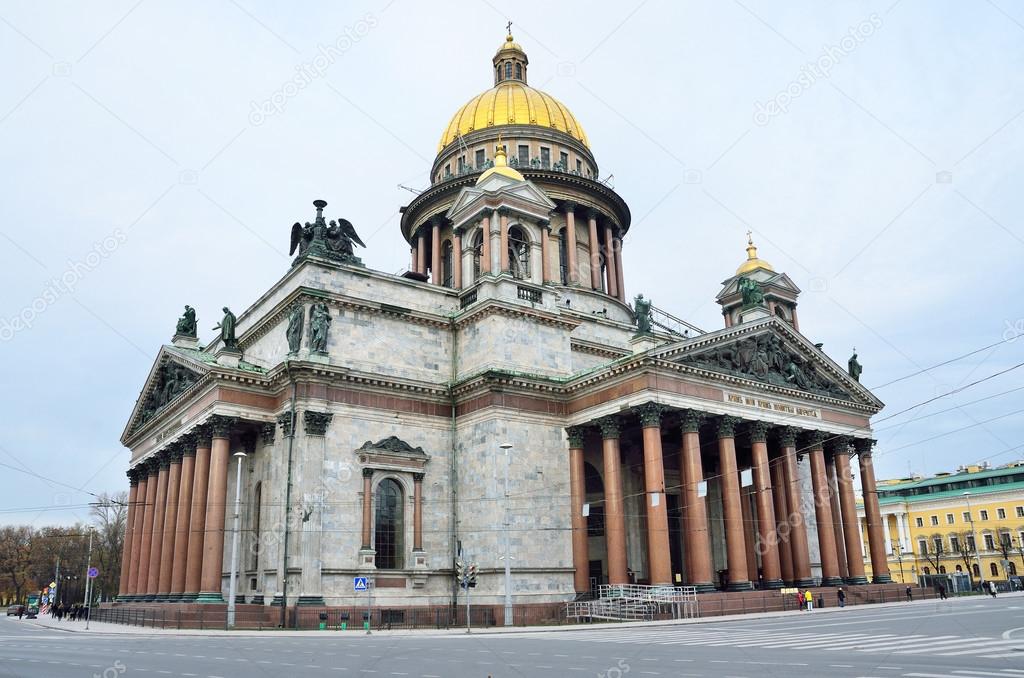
{"x": 753, "y": 263}
{"x": 500, "y": 166}
{"x": 512, "y": 102}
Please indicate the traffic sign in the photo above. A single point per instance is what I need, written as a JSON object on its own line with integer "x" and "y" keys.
{"x": 93, "y": 572}
{"x": 360, "y": 583}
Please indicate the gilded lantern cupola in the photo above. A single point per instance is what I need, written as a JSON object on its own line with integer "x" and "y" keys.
{"x": 510, "y": 62}
{"x": 757, "y": 291}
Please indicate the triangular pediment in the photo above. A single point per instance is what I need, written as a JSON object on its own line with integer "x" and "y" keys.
{"x": 497, "y": 189}
{"x": 769, "y": 281}
{"x": 174, "y": 372}
{"x": 770, "y": 352}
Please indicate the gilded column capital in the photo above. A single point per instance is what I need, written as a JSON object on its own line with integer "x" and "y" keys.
{"x": 610, "y": 427}
{"x": 576, "y": 435}
{"x": 316, "y": 422}
{"x": 650, "y": 414}
{"x": 220, "y": 426}
{"x": 787, "y": 436}
{"x": 727, "y": 426}
{"x": 204, "y": 435}
{"x": 267, "y": 432}
{"x": 287, "y": 423}
{"x": 759, "y": 431}
{"x": 691, "y": 420}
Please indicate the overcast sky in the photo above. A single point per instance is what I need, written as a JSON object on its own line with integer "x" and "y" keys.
{"x": 872, "y": 148}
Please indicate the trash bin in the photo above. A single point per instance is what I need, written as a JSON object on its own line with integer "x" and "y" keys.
{"x": 344, "y": 621}
{"x": 323, "y": 621}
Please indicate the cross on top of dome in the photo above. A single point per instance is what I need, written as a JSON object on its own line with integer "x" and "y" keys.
{"x": 510, "y": 60}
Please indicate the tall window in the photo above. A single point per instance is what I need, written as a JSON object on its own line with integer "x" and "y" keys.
{"x": 954, "y": 543}
{"x": 478, "y": 252}
{"x": 545, "y": 157}
{"x": 447, "y": 273}
{"x": 257, "y": 495}
{"x": 389, "y": 525}
{"x": 993, "y": 569}
{"x": 938, "y": 544}
{"x": 976, "y": 570}
{"x": 971, "y": 547}
{"x": 922, "y": 546}
{"x": 524, "y": 158}
{"x": 935, "y": 520}
{"x": 1001, "y": 514}
{"x": 949, "y": 518}
{"x": 563, "y": 257}
{"x": 984, "y": 514}
{"x": 1020, "y": 511}
{"x": 508, "y": 70}
{"x": 990, "y": 543}
{"x": 563, "y": 158}
{"x": 920, "y": 522}
{"x": 519, "y": 253}
{"x": 480, "y": 158}
{"x": 519, "y": 71}
{"x": 967, "y": 516}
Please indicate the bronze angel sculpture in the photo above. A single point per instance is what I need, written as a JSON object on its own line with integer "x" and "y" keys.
{"x": 334, "y": 240}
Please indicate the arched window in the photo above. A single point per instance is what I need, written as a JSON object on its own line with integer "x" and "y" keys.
{"x": 478, "y": 253}
{"x": 976, "y": 570}
{"x": 994, "y": 569}
{"x": 519, "y": 71}
{"x": 389, "y": 525}
{"x": 779, "y": 311}
{"x": 508, "y": 70}
{"x": 519, "y": 253}
{"x": 563, "y": 257}
{"x": 257, "y": 495}
{"x": 447, "y": 270}
{"x": 927, "y": 570}
{"x": 942, "y": 569}
{"x": 1012, "y": 567}
{"x": 959, "y": 568}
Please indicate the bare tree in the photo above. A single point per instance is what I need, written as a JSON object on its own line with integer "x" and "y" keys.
{"x": 15, "y": 557}
{"x": 934, "y": 552}
{"x": 109, "y": 514}
{"x": 967, "y": 550}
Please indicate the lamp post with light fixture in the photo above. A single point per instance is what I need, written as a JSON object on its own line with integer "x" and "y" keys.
{"x": 233, "y": 586}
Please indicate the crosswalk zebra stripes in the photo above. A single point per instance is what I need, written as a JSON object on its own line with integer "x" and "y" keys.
{"x": 882, "y": 643}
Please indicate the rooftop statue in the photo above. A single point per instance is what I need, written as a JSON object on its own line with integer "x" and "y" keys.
{"x": 187, "y": 322}
{"x": 854, "y": 367}
{"x": 331, "y": 241}
{"x": 227, "y": 330}
{"x": 751, "y": 292}
{"x": 642, "y": 312}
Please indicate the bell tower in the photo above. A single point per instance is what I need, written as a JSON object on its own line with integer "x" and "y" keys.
{"x": 758, "y": 291}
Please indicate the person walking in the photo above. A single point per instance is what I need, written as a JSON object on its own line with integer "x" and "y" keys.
{"x": 942, "y": 592}
{"x": 809, "y": 599}
{"x": 799, "y": 599}
{"x": 991, "y": 588}
{"x": 21, "y": 611}
{"x": 910, "y": 595}
{"x": 841, "y": 595}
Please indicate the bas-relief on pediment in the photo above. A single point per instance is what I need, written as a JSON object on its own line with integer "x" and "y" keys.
{"x": 768, "y": 358}
{"x": 169, "y": 380}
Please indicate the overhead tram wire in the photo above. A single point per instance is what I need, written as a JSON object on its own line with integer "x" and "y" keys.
{"x": 944, "y": 363}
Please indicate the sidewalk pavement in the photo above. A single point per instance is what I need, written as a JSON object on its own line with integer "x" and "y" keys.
{"x": 105, "y": 628}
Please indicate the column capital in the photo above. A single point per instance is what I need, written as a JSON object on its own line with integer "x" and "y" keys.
{"x": 650, "y": 414}
{"x": 838, "y": 445}
{"x": 175, "y": 452}
{"x": 163, "y": 459}
{"x": 759, "y": 431}
{"x": 133, "y": 476}
{"x": 610, "y": 426}
{"x": 267, "y": 432}
{"x": 248, "y": 440}
{"x": 863, "y": 446}
{"x": 151, "y": 466}
{"x": 569, "y": 206}
{"x": 458, "y": 232}
{"x": 221, "y": 426}
{"x": 286, "y": 421}
{"x": 188, "y": 444}
{"x": 367, "y": 472}
{"x": 504, "y": 212}
{"x": 727, "y": 426}
{"x": 204, "y": 435}
{"x": 576, "y": 435}
{"x": 591, "y": 213}
{"x": 544, "y": 224}
{"x": 691, "y": 420}
{"x": 418, "y": 477}
{"x": 316, "y": 422}
{"x": 815, "y": 440}
{"x": 787, "y": 436}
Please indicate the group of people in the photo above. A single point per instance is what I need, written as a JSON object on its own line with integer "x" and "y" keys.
{"x": 76, "y": 612}
{"x": 805, "y": 599}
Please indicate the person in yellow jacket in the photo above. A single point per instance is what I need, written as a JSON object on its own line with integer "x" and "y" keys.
{"x": 809, "y": 600}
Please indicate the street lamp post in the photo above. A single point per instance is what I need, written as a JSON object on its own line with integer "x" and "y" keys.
{"x": 507, "y": 447}
{"x": 233, "y": 587}
{"x": 898, "y": 548}
{"x": 974, "y": 537}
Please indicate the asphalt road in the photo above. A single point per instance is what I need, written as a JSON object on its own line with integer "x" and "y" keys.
{"x": 970, "y": 638}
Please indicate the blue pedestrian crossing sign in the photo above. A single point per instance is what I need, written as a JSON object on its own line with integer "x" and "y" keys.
{"x": 360, "y": 583}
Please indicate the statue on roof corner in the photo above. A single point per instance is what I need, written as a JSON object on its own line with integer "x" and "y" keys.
{"x": 751, "y": 292}
{"x": 642, "y": 313}
{"x": 854, "y": 367}
{"x": 227, "y": 330}
{"x": 332, "y": 240}
{"x": 187, "y": 323}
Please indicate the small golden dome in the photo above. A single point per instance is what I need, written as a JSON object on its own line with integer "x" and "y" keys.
{"x": 510, "y": 44}
{"x": 500, "y": 166}
{"x": 512, "y": 103}
{"x": 753, "y": 263}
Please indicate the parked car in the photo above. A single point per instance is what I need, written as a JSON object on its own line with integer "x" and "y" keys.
{"x": 13, "y": 610}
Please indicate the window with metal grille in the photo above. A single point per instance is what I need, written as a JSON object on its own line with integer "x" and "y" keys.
{"x": 446, "y": 264}
{"x": 524, "y": 155}
{"x": 389, "y": 525}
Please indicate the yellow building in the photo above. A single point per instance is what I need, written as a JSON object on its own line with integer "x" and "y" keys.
{"x": 971, "y": 521}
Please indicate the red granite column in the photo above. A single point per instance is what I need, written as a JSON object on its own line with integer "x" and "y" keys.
{"x": 197, "y": 516}
{"x": 614, "y": 509}
{"x": 170, "y": 523}
{"x": 503, "y": 240}
{"x": 848, "y": 507}
{"x": 732, "y": 511}
{"x": 216, "y": 505}
{"x": 699, "y": 570}
{"x": 415, "y": 264}
{"x": 457, "y": 259}
{"x": 780, "y": 537}
{"x": 129, "y": 536}
{"x": 570, "y": 242}
{"x": 837, "y": 520}
{"x": 578, "y": 497}
{"x": 749, "y": 528}
{"x": 612, "y": 284}
{"x": 872, "y": 513}
{"x": 159, "y": 512}
{"x": 767, "y": 541}
{"x": 658, "y": 554}
{"x": 417, "y": 511}
{"x": 823, "y": 512}
{"x": 367, "y": 507}
{"x": 545, "y": 250}
{"x": 436, "y": 269}
{"x": 797, "y": 519}
{"x": 619, "y": 280}
{"x": 144, "y": 530}
{"x": 421, "y": 250}
{"x": 595, "y": 251}
{"x": 485, "y": 244}
{"x": 181, "y": 525}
